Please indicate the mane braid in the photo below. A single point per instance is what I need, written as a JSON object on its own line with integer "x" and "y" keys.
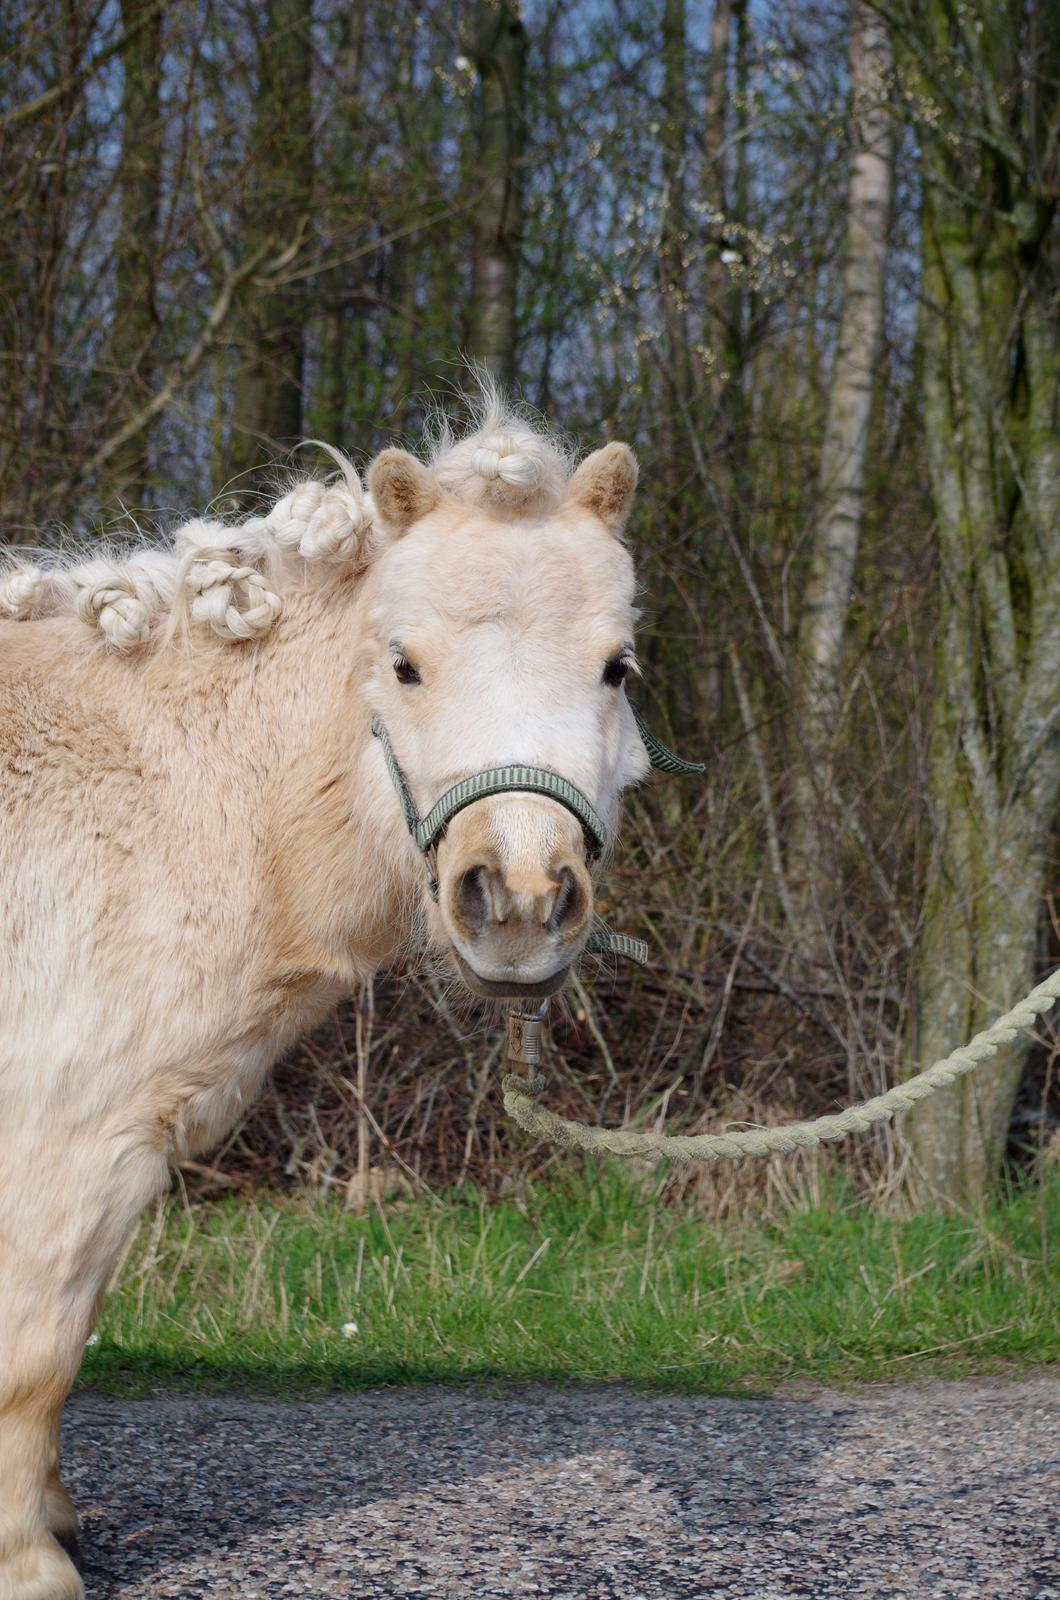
{"x": 230, "y": 578}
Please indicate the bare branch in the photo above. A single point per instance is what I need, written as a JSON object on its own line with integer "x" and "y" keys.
{"x": 74, "y": 80}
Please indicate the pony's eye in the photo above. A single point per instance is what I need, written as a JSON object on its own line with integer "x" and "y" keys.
{"x": 617, "y": 668}
{"x": 404, "y": 671}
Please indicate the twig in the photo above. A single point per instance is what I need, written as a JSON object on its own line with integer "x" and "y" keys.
{"x": 594, "y": 1027}
{"x": 212, "y": 1175}
{"x": 363, "y": 1045}
{"x": 776, "y": 864}
{"x": 186, "y": 367}
{"x": 820, "y": 991}
{"x": 726, "y": 993}
{"x": 33, "y": 108}
{"x": 789, "y": 991}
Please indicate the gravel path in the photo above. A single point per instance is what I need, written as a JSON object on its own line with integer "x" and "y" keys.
{"x": 936, "y": 1492}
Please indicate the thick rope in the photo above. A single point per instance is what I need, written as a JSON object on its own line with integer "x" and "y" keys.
{"x": 521, "y": 1097}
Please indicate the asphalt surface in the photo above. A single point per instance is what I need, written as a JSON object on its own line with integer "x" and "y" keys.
{"x": 938, "y": 1492}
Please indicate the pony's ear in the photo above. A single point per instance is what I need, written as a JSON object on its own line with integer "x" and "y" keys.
{"x": 402, "y": 488}
{"x": 604, "y": 485}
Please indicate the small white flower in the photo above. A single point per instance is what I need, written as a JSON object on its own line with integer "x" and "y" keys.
{"x": 93, "y": 1338}
{"x": 462, "y": 64}
{"x": 349, "y": 1330}
{"x": 730, "y": 257}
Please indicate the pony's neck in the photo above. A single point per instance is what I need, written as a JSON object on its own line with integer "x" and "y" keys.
{"x": 341, "y": 879}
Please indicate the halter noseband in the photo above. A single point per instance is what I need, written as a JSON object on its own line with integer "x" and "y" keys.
{"x": 428, "y": 831}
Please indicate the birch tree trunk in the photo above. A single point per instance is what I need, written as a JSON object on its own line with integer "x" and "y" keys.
{"x": 500, "y": 58}
{"x": 135, "y": 324}
{"x": 717, "y": 355}
{"x": 267, "y": 413}
{"x": 990, "y": 335}
{"x": 817, "y": 677}
{"x": 672, "y": 377}
{"x": 715, "y": 127}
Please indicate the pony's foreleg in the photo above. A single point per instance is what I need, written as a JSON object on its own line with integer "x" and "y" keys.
{"x": 32, "y": 1565}
{"x": 60, "y": 1513}
{"x": 58, "y": 1240}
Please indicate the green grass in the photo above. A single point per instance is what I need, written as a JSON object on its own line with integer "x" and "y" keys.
{"x": 598, "y": 1280}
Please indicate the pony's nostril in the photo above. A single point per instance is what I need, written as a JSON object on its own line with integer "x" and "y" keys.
{"x": 473, "y": 898}
{"x": 484, "y": 901}
{"x": 569, "y": 906}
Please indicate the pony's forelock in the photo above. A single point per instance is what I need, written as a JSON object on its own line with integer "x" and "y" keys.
{"x": 507, "y": 460}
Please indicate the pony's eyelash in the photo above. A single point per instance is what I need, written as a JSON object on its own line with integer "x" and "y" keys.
{"x": 618, "y": 666}
{"x": 404, "y": 670}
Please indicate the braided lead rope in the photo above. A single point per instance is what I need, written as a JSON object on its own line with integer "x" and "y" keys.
{"x": 521, "y": 1097}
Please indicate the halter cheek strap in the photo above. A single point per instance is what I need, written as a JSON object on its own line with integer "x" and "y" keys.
{"x": 662, "y": 759}
{"x": 428, "y": 831}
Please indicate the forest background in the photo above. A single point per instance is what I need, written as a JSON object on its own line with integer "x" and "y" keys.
{"x": 805, "y": 259}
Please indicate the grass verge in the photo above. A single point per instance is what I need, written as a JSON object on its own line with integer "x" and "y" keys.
{"x": 596, "y": 1280}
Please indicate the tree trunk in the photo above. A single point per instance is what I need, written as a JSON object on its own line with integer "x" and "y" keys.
{"x": 673, "y": 241}
{"x": 338, "y": 384}
{"x": 696, "y": 432}
{"x": 500, "y": 58}
{"x": 672, "y": 377}
{"x": 817, "y": 676}
{"x": 991, "y": 356}
{"x": 268, "y": 399}
{"x": 740, "y": 296}
{"x": 135, "y": 316}
{"x": 715, "y": 190}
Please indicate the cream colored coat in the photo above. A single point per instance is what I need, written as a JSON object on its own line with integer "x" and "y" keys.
{"x": 201, "y": 850}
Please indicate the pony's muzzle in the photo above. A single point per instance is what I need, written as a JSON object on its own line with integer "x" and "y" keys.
{"x": 516, "y": 918}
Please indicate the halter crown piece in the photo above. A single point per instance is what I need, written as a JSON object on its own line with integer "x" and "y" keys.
{"x": 428, "y": 831}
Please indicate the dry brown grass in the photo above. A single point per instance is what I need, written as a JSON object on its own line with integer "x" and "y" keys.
{"x": 722, "y": 1027}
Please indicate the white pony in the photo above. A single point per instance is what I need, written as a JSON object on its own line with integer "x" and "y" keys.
{"x": 202, "y": 849}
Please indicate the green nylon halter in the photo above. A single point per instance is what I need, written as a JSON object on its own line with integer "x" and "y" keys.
{"x": 662, "y": 759}
{"x": 518, "y": 779}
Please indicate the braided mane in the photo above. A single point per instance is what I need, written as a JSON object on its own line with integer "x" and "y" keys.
{"x": 231, "y": 577}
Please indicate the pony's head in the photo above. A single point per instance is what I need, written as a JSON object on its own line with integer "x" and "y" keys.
{"x": 495, "y": 601}
{"x": 500, "y": 633}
